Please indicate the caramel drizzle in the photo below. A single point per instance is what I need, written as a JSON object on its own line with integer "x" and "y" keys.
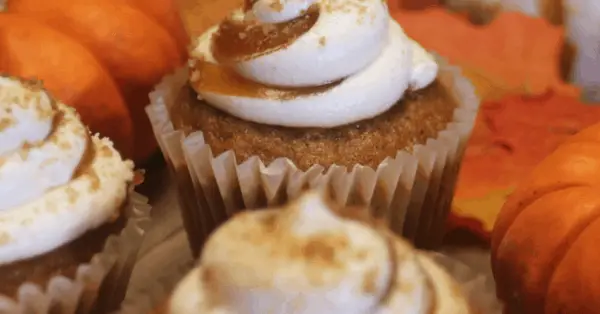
{"x": 219, "y": 79}
{"x": 237, "y": 41}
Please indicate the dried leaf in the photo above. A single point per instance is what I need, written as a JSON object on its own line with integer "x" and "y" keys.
{"x": 515, "y": 54}
{"x": 479, "y": 209}
{"x": 510, "y": 137}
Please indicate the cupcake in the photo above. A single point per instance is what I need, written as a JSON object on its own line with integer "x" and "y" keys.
{"x": 280, "y": 96}
{"x": 69, "y": 221}
{"x": 312, "y": 256}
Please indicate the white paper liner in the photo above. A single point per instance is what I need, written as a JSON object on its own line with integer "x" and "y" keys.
{"x": 100, "y": 285}
{"x": 411, "y": 192}
{"x": 478, "y": 288}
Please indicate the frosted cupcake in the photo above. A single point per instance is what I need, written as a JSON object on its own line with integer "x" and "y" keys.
{"x": 287, "y": 94}
{"x": 69, "y": 222}
{"x": 311, "y": 256}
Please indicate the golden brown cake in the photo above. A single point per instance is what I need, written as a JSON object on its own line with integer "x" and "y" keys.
{"x": 419, "y": 116}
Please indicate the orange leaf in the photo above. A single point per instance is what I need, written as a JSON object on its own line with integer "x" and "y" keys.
{"x": 513, "y": 54}
{"x": 482, "y": 209}
{"x": 510, "y": 137}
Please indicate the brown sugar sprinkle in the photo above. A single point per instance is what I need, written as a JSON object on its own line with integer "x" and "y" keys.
{"x": 94, "y": 181}
{"x": 321, "y": 249}
{"x": 5, "y": 238}
{"x": 323, "y": 41}
{"x": 6, "y": 123}
{"x": 72, "y": 194}
{"x": 30, "y": 92}
{"x": 48, "y": 162}
{"x": 369, "y": 284}
{"x": 277, "y": 6}
{"x": 105, "y": 151}
{"x": 24, "y": 151}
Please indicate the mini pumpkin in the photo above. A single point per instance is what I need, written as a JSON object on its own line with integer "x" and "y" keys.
{"x": 545, "y": 241}
{"x": 102, "y": 57}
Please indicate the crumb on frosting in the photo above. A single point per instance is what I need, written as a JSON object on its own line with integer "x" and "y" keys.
{"x": 5, "y": 238}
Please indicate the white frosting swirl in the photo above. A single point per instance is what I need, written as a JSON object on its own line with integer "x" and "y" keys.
{"x": 304, "y": 259}
{"x": 354, "y": 41}
{"x": 42, "y": 147}
{"x": 33, "y": 156}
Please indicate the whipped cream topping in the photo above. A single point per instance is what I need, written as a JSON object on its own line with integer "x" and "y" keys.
{"x": 35, "y": 156}
{"x": 303, "y": 259}
{"x": 354, "y": 45}
{"x": 56, "y": 182}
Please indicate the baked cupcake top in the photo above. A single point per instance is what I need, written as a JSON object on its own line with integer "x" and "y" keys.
{"x": 306, "y": 258}
{"x": 308, "y": 63}
{"x": 56, "y": 180}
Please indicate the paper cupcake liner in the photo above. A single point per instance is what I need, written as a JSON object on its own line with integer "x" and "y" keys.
{"x": 100, "y": 285}
{"x": 411, "y": 192}
{"x": 478, "y": 288}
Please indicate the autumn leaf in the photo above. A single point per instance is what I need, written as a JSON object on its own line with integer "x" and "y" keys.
{"x": 514, "y": 54}
{"x": 478, "y": 214}
{"x": 510, "y": 138}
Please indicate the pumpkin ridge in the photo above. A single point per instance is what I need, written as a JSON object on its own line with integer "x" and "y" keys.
{"x": 559, "y": 251}
{"x": 582, "y": 228}
{"x": 141, "y": 54}
{"x": 169, "y": 18}
{"x": 522, "y": 202}
{"x": 532, "y": 187}
{"x": 574, "y": 286}
{"x": 499, "y": 236}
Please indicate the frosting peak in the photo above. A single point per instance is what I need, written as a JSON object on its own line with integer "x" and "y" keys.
{"x": 298, "y": 259}
{"x": 39, "y": 148}
{"x": 343, "y": 61}
{"x": 327, "y": 41}
{"x": 26, "y": 114}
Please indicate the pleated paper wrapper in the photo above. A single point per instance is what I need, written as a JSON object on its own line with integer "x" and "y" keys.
{"x": 154, "y": 297}
{"x": 100, "y": 285}
{"x": 411, "y": 191}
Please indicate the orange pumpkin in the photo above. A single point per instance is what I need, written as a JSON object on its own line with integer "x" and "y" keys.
{"x": 101, "y": 56}
{"x": 545, "y": 242}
